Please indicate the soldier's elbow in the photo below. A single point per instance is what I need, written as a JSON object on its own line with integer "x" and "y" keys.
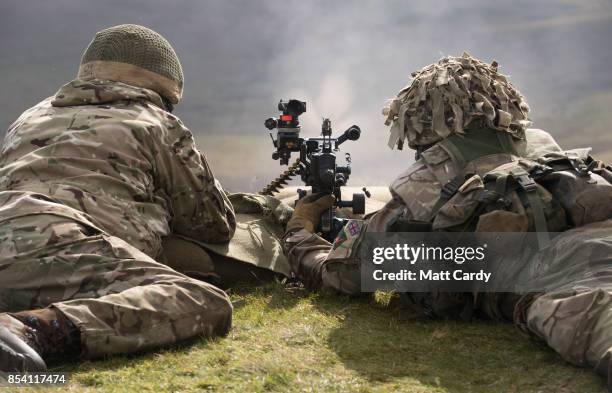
{"x": 224, "y": 233}
{"x": 226, "y": 236}
{"x": 231, "y": 224}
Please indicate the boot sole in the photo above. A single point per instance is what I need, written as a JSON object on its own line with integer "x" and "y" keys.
{"x": 17, "y": 356}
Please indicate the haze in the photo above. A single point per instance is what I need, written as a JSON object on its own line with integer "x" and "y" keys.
{"x": 344, "y": 57}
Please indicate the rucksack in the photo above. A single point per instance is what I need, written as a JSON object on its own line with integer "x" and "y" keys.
{"x": 496, "y": 190}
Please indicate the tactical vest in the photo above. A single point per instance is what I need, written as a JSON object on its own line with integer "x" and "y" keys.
{"x": 484, "y": 182}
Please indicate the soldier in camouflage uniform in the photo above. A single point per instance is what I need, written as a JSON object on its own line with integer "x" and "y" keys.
{"x": 466, "y": 121}
{"x": 91, "y": 179}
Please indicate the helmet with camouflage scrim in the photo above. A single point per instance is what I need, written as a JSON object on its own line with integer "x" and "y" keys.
{"x": 452, "y": 96}
{"x": 134, "y": 55}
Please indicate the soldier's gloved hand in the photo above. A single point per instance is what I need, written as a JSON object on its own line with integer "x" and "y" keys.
{"x": 308, "y": 212}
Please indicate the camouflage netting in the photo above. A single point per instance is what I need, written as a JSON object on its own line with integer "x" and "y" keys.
{"x": 135, "y": 55}
{"x": 452, "y": 95}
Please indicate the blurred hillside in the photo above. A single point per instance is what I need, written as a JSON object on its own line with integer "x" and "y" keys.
{"x": 584, "y": 123}
{"x": 344, "y": 57}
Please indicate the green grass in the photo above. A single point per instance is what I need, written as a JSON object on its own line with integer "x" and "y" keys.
{"x": 295, "y": 341}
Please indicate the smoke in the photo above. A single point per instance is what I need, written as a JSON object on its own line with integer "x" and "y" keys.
{"x": 345, "y": 58}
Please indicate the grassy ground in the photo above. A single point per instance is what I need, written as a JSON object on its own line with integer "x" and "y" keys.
{"x": 295, "y": 341}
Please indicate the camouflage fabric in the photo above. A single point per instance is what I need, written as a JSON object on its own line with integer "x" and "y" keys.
{"x": 190, "y": 258}
{"x": 420, "y": 185}
{"x": 108, "y": 150}
{"x": 307, "y": 254}
{"x": 574, "y": 316}
{"x": 260, "y": 224}
{"x": 120, "y": 299}
{"x": 450, "y": 96}
{"x": 90, "y": 181}
{"x": 538, "y": 143}
{"x": 335, "y": 268}
{"x": 255, "y": 247}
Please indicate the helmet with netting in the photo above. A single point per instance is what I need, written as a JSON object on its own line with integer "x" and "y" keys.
{"x": 134, "y": 55}
{"x": 452, "y": 96}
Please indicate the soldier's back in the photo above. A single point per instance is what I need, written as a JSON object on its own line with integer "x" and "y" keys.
{"x": 89, "y": 148}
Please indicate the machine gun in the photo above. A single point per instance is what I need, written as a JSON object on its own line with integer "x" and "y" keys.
{"x": 316, "y": 164}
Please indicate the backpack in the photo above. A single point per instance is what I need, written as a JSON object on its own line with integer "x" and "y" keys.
{"x": 495, "y": 189}
{"x": 556, "y": 192}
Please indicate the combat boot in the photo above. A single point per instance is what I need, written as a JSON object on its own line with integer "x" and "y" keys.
{"x": 54, "y": 334}
{"x": 19, "y": 351}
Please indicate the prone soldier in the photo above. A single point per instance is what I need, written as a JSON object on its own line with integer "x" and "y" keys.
{"x": 91, "y": 180}
{"x": 470, "y": 129}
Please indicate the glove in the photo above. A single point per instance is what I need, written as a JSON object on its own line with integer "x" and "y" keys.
{"x": 308, "y": 212}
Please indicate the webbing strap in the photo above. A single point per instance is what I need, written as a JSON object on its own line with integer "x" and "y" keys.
{"x": 531, "y": 191}
{"x": 528, "y": 184}
{"x": 447, "y": 192}
{"x": 501, "y": 185}
{"x": 404, "y": 225}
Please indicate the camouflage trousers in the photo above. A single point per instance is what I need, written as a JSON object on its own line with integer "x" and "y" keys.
{"x": 120, "y": 299}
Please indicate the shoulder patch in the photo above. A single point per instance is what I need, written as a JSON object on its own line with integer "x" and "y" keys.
{"x": 344, "y": 242}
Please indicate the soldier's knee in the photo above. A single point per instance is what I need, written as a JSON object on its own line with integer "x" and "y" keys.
{"x": 217, "y": 308}
{"x": 186, "y": 257}
{"x": 224, "y": 324}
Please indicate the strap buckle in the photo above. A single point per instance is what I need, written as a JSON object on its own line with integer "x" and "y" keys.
{"x": 451, "y": 187}
{"x": 526, "y": 182}
{"x": 539, "y": 171}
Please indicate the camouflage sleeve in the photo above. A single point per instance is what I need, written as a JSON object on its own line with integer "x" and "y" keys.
{"x": 307, "y": 253}
{"x": 199, "y": 206}
{"x": 324, "y": 266}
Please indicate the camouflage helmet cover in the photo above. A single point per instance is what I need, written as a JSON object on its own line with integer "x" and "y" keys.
{"x": 134, "y": 55}
{"x": 452, "y": 95}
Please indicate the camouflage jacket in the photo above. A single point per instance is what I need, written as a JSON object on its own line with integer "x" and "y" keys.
{"x": 110, "y": 151}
